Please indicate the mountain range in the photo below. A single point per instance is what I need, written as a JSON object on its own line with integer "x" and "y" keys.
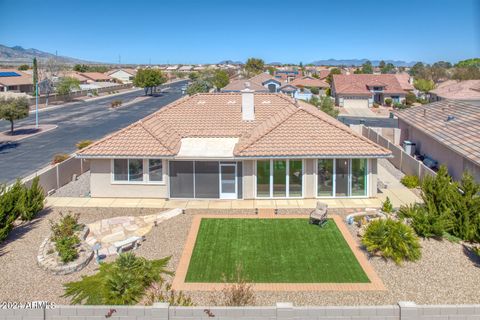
{"x": 18, "y": 55}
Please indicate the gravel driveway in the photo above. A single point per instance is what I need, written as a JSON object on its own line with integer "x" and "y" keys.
{"x": 444, "y": 275}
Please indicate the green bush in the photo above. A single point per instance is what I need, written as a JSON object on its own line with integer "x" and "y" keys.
{"x": 387, "y": 206}
{"x": 64, "y": 237}
{"x": 400, "y": 106}
{"x": 425, "y": 223}
{"x": 388, "y": 102}
{"x": 32, "y": 200}
{"x": 83, "y": 144}
{"x": 410, "y": 181}
{"x": 60, "y": 157}
{"x": 410, "y": 98}
{"x": 122, "y": 282}
{"x": 392, "y": 240}
{"x": 314, "y": 90}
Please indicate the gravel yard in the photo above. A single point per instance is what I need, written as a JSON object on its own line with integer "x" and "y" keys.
{"x": 77, "y": 188}
{"x": 444, "y": 275}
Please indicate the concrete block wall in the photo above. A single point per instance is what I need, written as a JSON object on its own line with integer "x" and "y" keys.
{"x": 404, "y": 310}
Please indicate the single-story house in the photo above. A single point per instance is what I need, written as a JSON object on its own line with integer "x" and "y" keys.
{"x": 262, "y": 82}
{"x": 96, "y": 77}
{"x": 185, "y": 69}
{"x": 242, "y": 145}
{"x": 287, "y": 75}
{"x": 447, "y": 132}
{"x": 405, "y": 80}
{"x": 363, "y": 90}
{"x": 16, "y": 81}
{"x": 125, "y": 75}
{"x": 467, "y": 91}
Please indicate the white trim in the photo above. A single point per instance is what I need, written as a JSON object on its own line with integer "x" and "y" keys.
{"x": 222, "y": 195}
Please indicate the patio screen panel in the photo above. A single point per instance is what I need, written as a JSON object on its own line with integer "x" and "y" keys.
{"x": 207, "y": 179}
{"x": 181, "y": 179}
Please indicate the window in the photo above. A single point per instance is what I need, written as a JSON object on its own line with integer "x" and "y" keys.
{"x": 295, "y": 178}
{"x": 135, "y": 170}
{"x": 128, "y": 170}
{"x": 263, "y": 178}
{"x": 325, "y": 177}
{"x": 359, "y": 177}
{"x": 120, "y": 170}
{"x": 155, "y": 170}
{"x": 279, "y": 178}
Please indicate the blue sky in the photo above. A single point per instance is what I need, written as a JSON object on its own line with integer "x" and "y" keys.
{"x": 206, "y": 31}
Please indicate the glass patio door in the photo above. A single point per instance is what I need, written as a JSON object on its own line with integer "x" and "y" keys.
{"x": 342, "y": 177}
{"x": 228, "y": 181}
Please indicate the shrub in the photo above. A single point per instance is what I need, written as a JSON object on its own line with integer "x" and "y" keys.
{"x": 410, "y": 98}
{"x": 162, "y": 291}
{"x": 425, "y": 223}
{"x": 9, "y": 207}
{"x": 122, "y": 282}
{"x": 116, "y": 103}
{"x": 83, "y": 144}
{"x": 392, "y": 240}
{"x": 410, "y": 181}
{"x": 60, "y": 157}
{"x": 387, "y": 206}
{"x": 314, "y": 90}
{"x": 388, "y": 102}
{"x": 400, "y": 106}
{"x": 32, "y": 200}
{"x": 328, "y": 92}
{"x": 64, "y": 237}
{"x": 376, "y": 105}
{"x": 239, "y": 293}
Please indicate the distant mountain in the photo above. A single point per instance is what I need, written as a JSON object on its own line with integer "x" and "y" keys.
{"x": 17, "y": 55}
{"x": 359, "y": 62}
{"x": 230, "y": 62}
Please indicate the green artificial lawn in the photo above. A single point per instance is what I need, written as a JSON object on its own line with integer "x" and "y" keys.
{"x": 272, "y": 251}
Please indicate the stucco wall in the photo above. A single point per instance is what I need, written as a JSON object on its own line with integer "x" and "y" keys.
{"x": 426, "y": 145}
{"x": 372, "y": 177}
{"x": 310, "y": 178}
{"x": 101, "y": 184}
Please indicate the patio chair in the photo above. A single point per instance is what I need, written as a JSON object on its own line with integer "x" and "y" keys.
{"x": 319, "y": 215}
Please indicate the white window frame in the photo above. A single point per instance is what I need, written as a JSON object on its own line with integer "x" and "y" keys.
{"x": 287, "y": 181}
{"x": 145, "y": 174}
{"x": 334, "y": 185}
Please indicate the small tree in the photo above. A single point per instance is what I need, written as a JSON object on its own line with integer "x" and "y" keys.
{"x": 35, "y": 75}
{"x": 423, "y": 85}
{"x": 410, "y": 98}
{"x": 220, "y": 79}
{"x": 325, "y": 104}
{"x": 332, "y": 72}
{"x": 148, "y": 79}
{"x": 12, "y": 109}
{"x": 199, "y": 86}
{"x": 66, "y": 85}
{"x": 31, "y": 201}
{"x": 254, "y": 66}
{"x": 23, "y": 67}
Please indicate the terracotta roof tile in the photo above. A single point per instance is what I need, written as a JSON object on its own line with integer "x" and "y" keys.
{"x": 282, "y": 126}
{"x": 309, "y": 82}
{"x": 357, "y": 83}
{"x": 458, "y": 90}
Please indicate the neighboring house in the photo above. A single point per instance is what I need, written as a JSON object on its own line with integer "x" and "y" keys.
{"x": 287, "y": 75}
{"x": 16, "y": 81}
{"x": 76, "y": 75}
{"x": 242, "y": 145}
{"x": 447, "y": 132}
{"x": 185, "y": 69}
{"x": 124, "y": 75}
{"x": 362, "y": 90}
{"x": 405, "y": 80}
{"x": 262, "y": 82}
{"x": 467, "y": 91}
{"x": 171, "y": 68}
{"x": 95, "y": 77}
{"x": 310, "y": 82}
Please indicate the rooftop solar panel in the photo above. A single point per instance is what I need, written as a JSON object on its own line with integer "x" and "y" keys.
{"x": 9, "y": 74}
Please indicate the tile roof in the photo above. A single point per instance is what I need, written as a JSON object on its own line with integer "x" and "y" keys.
{"x": 460, "y": 134}
{"x": 256, "y": 83}
{"x": 95, "y": 76}
{"x": 309, "y": 82}
{"x": 127, "y": 70}
{"x": 404, "y": 80}
{"x": 357, "y": 83}
{"x": 282, "y": 127}
{"x": 458, "y": 90}
{"x": 21, "y": 79}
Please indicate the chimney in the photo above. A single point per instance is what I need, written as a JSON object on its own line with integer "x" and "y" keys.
{"x": 248, "y": 105}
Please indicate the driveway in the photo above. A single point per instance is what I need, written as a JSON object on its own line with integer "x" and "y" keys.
{"x": 83, "y": 120}
{"x": 360, "y": 112}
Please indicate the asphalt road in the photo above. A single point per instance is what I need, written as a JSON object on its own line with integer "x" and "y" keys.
{"x": 83, "y": 120}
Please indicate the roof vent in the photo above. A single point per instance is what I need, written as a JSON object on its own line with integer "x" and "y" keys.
{"x": 201, "y": 102}
{"x": 231, "y": 102}
{"x": 450, "y": 118}
{"x": 266, "y": 102}
{"x": 424, "y": 112}
{"x": 247, "y": 84}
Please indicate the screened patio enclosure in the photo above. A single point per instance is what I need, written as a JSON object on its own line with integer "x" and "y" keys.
{"x": 205, "y": 179}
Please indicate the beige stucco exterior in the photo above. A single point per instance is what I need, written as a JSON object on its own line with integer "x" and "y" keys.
{"x": 102, "y": 184}
{"x": 426, "y": 145}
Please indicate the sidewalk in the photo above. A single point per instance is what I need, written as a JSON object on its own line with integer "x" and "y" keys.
{"x": 395, "y": 191}
{"x": 208, "y": 204}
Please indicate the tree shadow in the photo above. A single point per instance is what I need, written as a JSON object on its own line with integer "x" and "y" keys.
{"x": 474, "y": 258}
{"x": 19, "y": 231}
{"x": 6, "y": 145}
{"x": 22, "y": 131}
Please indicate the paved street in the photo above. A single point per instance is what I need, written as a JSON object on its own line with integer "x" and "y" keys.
{"x": 84, "y": 120}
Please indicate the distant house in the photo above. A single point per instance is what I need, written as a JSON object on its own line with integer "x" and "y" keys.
{"x": 262, "y": 82}
{"x": 467, "y": 91}
{"x": 15, "y": 81}
{"x": 96, "y": 77}
{"x": 288, "y": 75}
{"x": 405, "y": 80}
{"x": 124, "y": 75}
{"x": 446, "y": 132}
{"x": 363, "y": 90}
{"x": 185, "y": 69}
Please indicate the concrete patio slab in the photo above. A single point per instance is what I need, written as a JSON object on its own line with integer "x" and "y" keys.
{"x": 220, "y": 204}
{"x": 197, "y": 204}
{"x": 151, "y": 203}
{"x": 243, "y": 204}
{"x": 182, "y": 204}
{"x": 125, "y": 202}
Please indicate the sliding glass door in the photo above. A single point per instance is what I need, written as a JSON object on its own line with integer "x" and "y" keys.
{"x": 342, "y": 177}
{"x": 279, "y": 178}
